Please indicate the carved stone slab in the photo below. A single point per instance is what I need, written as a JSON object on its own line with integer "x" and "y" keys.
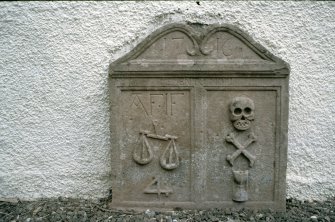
{"x": 199, "y": 120}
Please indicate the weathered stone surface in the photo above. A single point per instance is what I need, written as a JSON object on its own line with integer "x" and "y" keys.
{"x": 199, "y": 120}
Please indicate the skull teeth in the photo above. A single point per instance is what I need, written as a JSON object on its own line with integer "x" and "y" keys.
{"x": 242, "y": 124}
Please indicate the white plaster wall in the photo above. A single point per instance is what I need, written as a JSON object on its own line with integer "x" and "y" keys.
{"x": 54, "y": 57}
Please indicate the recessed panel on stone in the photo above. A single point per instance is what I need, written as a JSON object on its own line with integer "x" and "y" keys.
{"x": 255, "y": 110}
{"x": 199, "y": 120}
{"x": 156, "y": 138}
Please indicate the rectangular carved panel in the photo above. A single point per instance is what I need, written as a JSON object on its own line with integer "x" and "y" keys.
{"x": 260, "y": 164}
{"x": 155, "y": 139}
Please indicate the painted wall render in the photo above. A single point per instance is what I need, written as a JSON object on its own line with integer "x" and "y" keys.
{"x": 54, "y": 106}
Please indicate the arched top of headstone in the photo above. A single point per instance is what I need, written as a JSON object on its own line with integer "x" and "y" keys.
{"x": 195, "y": 50}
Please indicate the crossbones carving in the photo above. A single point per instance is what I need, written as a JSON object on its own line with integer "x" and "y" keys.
{"x": 241, "y": 148}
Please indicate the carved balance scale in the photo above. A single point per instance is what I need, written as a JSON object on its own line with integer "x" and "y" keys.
{"x": 169, "y": 160}
{"x": 143, "y": 154}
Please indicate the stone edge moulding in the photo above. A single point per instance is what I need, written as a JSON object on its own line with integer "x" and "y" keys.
{"x": 199, "y": 119}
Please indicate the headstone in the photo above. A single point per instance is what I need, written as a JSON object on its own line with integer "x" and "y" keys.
{"x": 199, "y": 120}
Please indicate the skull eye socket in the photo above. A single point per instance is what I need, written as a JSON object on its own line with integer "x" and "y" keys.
{"x": 247, "y": 110}
{"x": 237, "y": 111}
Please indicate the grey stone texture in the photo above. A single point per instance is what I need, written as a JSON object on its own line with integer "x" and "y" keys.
{"x": 199, "y": 120}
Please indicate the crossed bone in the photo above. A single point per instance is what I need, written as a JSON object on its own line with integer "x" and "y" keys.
{"x": 241, "y": 148}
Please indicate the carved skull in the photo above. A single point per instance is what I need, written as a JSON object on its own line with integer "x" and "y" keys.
{"x": 242, "y": 112}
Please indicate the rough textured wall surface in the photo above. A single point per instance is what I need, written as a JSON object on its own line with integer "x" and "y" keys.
{"x": 54, "y": 113}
